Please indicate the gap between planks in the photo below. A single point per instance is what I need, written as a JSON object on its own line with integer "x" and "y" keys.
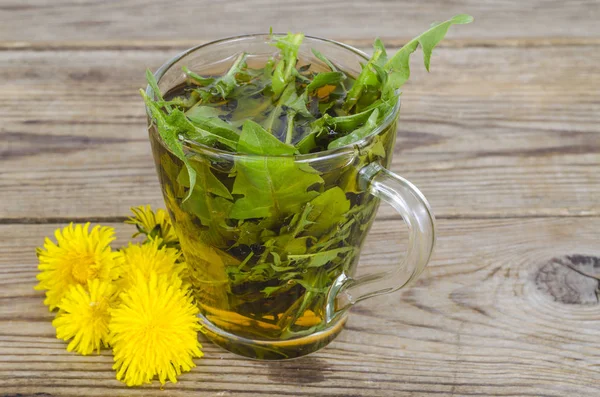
{"x": 120, "y": 219}
{"x": 102, "y": 45}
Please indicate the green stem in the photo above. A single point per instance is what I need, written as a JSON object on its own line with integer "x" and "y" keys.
{"x": 235, "y": 68}
{"x": 284, "y": 318}
{"x": 277, "y": 110}
{"x": 291, "y": 63}
{"x": 290, "y": 127}
{"x": 272, "y": 116}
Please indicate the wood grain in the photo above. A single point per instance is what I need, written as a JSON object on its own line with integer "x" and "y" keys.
{"x": 476, "y": 323}
{"x": 502, "y": 137}
{"x": 182, "y": 44}
{"x": 490, "y": 132}
{"x": 337, "y": 19}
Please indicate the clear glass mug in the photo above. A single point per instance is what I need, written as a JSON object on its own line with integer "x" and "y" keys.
{"x": 280, "y": 287}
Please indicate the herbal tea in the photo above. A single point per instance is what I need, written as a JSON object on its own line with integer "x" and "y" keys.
{"x": 261, "y": 266}
{"x": 266, "y": 229}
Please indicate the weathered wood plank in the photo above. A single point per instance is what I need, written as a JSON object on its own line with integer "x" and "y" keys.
{"x": 140, "y": 44}
{"x": 480, "y": 321}
{"x": 154, "y": 19}
{"x": 489, "y": 132}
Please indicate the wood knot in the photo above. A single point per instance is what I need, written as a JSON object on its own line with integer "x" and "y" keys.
{"x": 571, "y": 279}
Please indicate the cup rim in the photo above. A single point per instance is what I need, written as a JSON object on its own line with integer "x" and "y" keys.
{"x": 197, "y": 147}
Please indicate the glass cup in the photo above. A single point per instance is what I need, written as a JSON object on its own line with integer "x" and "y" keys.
{"x": 280, "y": 286}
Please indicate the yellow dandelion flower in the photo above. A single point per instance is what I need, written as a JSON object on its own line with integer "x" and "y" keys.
{"x": 146, "y": 259}
{"x": 153, "y": 224}
{"x": 154, "y": 331}
{"x": 84, "y": 316}
{"x": 77, "y": 257}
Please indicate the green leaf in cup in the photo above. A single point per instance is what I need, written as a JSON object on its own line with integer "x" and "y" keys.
{"x": 269, "y": 231}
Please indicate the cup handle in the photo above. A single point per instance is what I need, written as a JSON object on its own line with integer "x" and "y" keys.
{"x": 410, "y": 203}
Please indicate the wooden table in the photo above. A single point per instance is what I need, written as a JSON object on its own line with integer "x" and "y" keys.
{"x": 502, "y": 136}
